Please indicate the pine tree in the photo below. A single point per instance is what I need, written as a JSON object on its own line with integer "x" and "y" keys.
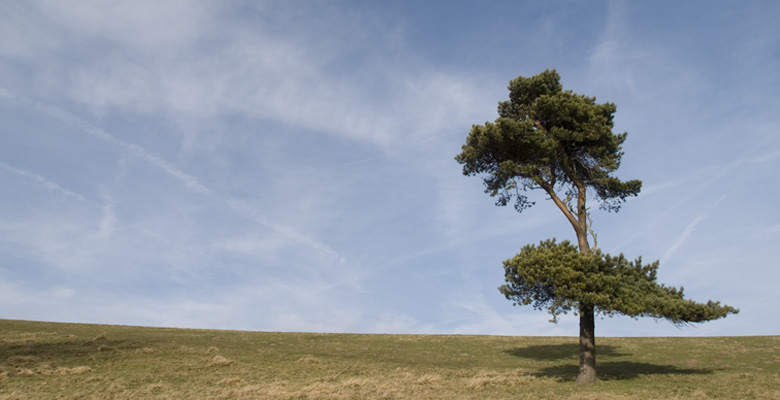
{"x": 562, "y": 143}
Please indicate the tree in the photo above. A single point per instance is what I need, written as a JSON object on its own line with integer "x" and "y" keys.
{"x": 562, "y": 143}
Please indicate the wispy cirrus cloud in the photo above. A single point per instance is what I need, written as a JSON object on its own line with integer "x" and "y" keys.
{"x": 686, "y": 233}
{"x": 179, "y": 68}
{"x": 191, "y": 182}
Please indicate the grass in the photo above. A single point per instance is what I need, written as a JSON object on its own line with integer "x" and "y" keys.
{"x": 74, "y": 361}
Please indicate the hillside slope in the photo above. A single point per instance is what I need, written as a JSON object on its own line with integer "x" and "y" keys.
{"x": 74, "y": 361}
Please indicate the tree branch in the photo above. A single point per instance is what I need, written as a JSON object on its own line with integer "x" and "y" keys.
{"x": 561, "y": 205}
{"x": 582, "y": 217}
{"x": 592, "y": 232}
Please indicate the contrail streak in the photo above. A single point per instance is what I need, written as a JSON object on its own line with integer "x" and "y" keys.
{"x": 48, "y": 184}
{"x": 190, "y": 181}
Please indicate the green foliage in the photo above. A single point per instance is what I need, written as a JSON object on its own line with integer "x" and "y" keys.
{"x": 557, "y": 277}
{"x": 548, "y": 138}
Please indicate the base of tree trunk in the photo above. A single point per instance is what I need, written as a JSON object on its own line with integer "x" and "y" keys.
{"x": 586, "y": 378}
{"x": 587, "y": 346}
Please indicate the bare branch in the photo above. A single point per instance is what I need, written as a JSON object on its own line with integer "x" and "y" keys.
{"x": 591, "y": 231}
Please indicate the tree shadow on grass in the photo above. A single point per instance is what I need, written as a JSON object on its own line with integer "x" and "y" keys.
{"x": 606, "y": 370}
{"x": 617, "y": 370}
{"x": 550, "y": 352}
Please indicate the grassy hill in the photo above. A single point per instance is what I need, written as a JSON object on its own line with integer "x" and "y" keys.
{"x": 74, "y": 361}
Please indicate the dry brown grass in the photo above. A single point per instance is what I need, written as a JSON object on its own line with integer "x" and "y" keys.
{"x": 308, "y": 359}
{"x": 231, "y": 382}
{"x": 429, "y": 379}
{"x": 186, "y": 349}
{"x": 220, "y": 361}
{"x": 41, "y": 361}
{"x": 22, "y": 360}
{"x": 492, "y": 378}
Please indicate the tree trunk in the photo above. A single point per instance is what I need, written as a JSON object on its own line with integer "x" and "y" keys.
{"x": 587, "y": 316}
{"x": 587, "y": 345}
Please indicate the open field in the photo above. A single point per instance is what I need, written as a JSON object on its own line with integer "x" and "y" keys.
{"x": 72, "y": 361}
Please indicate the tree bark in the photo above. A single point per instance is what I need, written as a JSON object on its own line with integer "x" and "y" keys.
{"x": 582, "y": 220}
{"x": 587, "y": 345}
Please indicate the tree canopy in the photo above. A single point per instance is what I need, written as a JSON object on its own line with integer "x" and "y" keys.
{"x": 558, "y": 277}
{"x": 551, "y": 139}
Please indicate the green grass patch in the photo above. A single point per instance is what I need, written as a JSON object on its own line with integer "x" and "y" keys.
{"x": 75, "y": 361}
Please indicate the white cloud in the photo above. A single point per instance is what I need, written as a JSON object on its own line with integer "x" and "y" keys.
{"x": 144, "y": 24}
{"x": 189, "y": 62}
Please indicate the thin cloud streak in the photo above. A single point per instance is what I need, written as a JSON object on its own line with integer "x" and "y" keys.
{"x": 44, "y": 182}
{"x": 688, "y": 231}
{"x": 191, "y": 182}
{"x": 712, "y": 178}
{"x": 681, "y": 239}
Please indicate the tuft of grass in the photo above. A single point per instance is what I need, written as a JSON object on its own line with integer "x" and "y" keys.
{"x": 429, "y": 379}
{"x": 231, "y": 382}
{"x": 308, "y": 359}
{"x": 75, "y": 370}
{"x": 186, "y": 349}
{"x": 219, "y": 360}
{"x": 74, "y": 361}
{"x": 488, "y": 378}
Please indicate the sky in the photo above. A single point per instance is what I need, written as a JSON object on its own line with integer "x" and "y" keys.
{"x": 289, "y": 165}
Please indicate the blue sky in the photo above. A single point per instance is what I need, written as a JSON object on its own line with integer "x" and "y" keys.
{"x": 288, "y": 165}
